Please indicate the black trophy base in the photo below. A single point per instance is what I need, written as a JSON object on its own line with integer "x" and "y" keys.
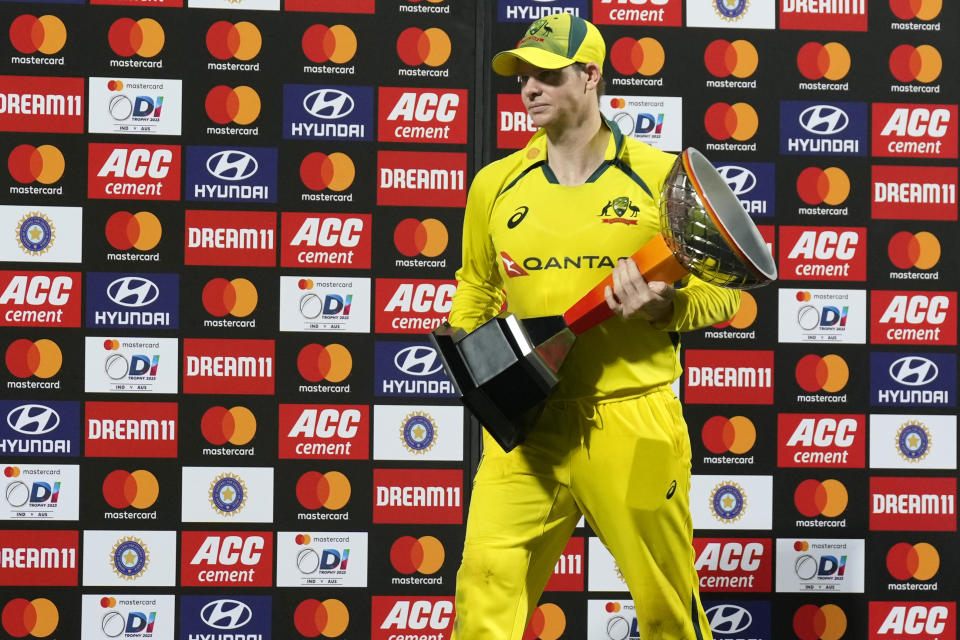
{"x": 500, "y": 373}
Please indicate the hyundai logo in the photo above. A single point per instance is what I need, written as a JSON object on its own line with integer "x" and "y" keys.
{"x": 328, "y": 104}
{"x": 914, "y": 371}
{"x": 824, "y": 119}
{"x": 226, "y": 614}
{"x": 33, "y": 419}
{"x": 418, "y": 361}
{"x": 232, "y": 165}
{"x": 133, "y": 291}
{"x": 728, "y": 619}
{"x": 739, "y": 180}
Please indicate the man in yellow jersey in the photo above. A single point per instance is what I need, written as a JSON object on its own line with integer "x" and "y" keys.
{"x": 542, "y": 226}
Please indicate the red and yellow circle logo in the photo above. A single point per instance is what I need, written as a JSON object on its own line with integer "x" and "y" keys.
{"x": 138, "y": 489}
{"x": 329, "y": 618}
{"x": 738, "y": 121}
{"x": 240, "y": 105}
{"x": 336, "y": 44}
{"x": 332, "y": 363}
{"x": 746, "y": 313}
{"x": 829, "y": 186}
{"x": 237, "y": 297}
{"x": 37, "y": 618}
{"x": 548, "y": 622}
{"x": 909, "y": 63}
{"x": 814, "y": 498}
{"x": 920, "y": 9}
{"x": 30, "y": 34}
{"x": 736, "y": 435}
{"x": 644, "y": 56}
{"x": 320, "y": 171}
{"x": 240, "y": 40}
{"x": 738, "y": 58}
{"x": 830, "y": 61}
{"x": 908, "y": 250}
{"x": 236, "y": 425}
{"x": 141, "y": 230}
{"x": 41, "y": 358}
{"x": 828, "y": 622}
{"x": 330, "y": 490}
{"x": 409, "y": 555}
{"x": 919, "y": 561}
{"x": 143, "y": 37}
{"x": 43, "y": 164}
{"x": 423, "y": 46}
{"x": 426, "y": 237}
{"x": 829, "y": 373}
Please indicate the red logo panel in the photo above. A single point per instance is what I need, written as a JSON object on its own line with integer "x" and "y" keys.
{"x": 913, "y": 193}
{"x": 568, "y": 573}
{"x": 913, "y": 504}
{"x": 326, "y": 240}
{"x": 647, "y": 13}
{"x": 133, "y": 172}
{"x": 916, "y": 620}
{"x": 231, "y": 238}
{"x": 130, "y": 429}
{"x": 820, "y": 440}
{"x": 330, "y": 6}
{"x": 47, "y": 105}
{"x": 324, "y": 431}
{"x": 422, "y": 115}
{"x": 418, "y": 496}
{"x": 47, "y": 558}
{"x": 226, "y": 559}
{"x": 823, "y": 253}
{"x": 412, "y": 306}
{"x": 421, "y": 179}
{"x": 915, "y": 130}
{"x": 734, "y": 564}
{"x": 913, "y": 317}
{"x": 823, "y": 16}
{"x": 39, "y": 299}
{"x": 714, "y": 376}
{"x": 405, "y": 616}
{"x": 228, "y": 366}
{"x": 514, "y": 125}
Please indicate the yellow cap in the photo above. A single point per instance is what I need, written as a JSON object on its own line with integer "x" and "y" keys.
{"x": 553, "y": 42}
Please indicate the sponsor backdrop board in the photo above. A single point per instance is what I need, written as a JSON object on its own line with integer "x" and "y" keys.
{"x": 226, "y": 226}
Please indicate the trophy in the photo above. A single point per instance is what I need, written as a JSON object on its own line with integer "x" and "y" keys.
{"x": 504, "y": 370}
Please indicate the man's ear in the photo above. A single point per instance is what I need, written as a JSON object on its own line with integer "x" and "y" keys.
{"x": 592, "y": 69}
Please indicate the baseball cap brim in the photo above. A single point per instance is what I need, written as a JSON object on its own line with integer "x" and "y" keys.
{"x": 505, "y": 63}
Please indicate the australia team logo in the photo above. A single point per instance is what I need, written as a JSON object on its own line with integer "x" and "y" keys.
{"x": 620, "y": 210}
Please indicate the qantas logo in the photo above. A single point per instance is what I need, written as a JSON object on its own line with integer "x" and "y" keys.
{"x": 914, "y": 371}
{"x": 226, "y": 614}
{"x": 328, "y": 104}
{"x": 418, "y": 361}
{"x": 33, "y": 419}
{"x": 739, "y": 179}
{"x": 824, "y": 119}
{"x": 133, "y": 291}
{"x": 511, "y": 267}
{"x": 728, "y": 619}
{"x": 232, "y": 165}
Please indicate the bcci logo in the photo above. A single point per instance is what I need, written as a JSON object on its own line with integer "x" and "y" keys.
{"x": 130, "y": 558}
{"x": 728, "y": 502}
{"x": 418, "y": 433}
{"x": 227, "y": 494}
{"x": 731, "y": 10}
{"x": 913, "y": 441}
{"x": 35, "y": 233}
{"x": 620, "y": 207}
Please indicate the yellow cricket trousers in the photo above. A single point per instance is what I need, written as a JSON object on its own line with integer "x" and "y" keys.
{"x": 625, "y": 465}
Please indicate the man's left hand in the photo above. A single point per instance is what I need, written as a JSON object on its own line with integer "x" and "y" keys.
{"x": 633, "y": 297}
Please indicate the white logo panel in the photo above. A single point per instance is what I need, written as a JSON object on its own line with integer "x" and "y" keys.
{"x": 227, "y": 494}
{"x": 731, "y": 502}
{"x": 40, "y": 492}
{"x": 127, "y": 558}
{"x": 732, "y": 14}
{"x": 135, "y": 105}
{"x": 107, "y": 616}
{"x": 312, "y": 303}
{"x": 35, "y": 233}
{"x": 913, "y": 441}
{"x": 417, "y": 433}
{"x": 822, "y": 315}
{"x": 806, "y": 565}
{"x": 325, "y": 559}
{"x": 658, "y": 121}
{"x": 131, "y": 365}
{"x": 603, "y": 574}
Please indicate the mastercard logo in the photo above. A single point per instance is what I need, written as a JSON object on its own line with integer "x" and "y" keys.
{"x": 830, "y": 61}
{"x": 828, "y": 622}
{"x": 829, "y": 373}
{"x": 738, "y": 58}
{"x": 814, "y": 498}
{"x": 644, "y": 56}
{"x": 11, "y": 472}
{"x": 320, "y": 171}
{"x": 910, "y": 9}
{"x": 920, "y": 250}
{"x": 424, "y": 554}
{"x": 830, "y": 186}
{"x": 330, "y": 490}
{"x": 43, "y": 164}
{"x": 26, "y": 358}
{"x": 111, "y": 345}
{"x": 745, "y": 316}
{"x": 736, "y": 435}
{"x": 45, "y": 34}
{"x": 138, "y": 489}
{"x": 237, "y": 297}
{"x": 332, "y": 363}
{"x": 919, "y": 561}
{"x": 337, "y": 44}
{"x": 37, "y": 618}
{"x": 240, "y": 105}
{"x": 329, "y": 618}
{"x": 143, "y": 37}
{"x": 240, "y": 40}
{"x": 909, "y": 63}
{"x": 141, "y": 230}
{"x": 423, "y": 46}
{"x": 547, "y": 623}
{"x": 236, "y": 425}
{"x": 107, "y": 602}
{"x": 424, "y": 237}
{"x": 724, "y": 121}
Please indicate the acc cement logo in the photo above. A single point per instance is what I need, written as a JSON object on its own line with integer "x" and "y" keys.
{"x": 418, "y": 360}
{"x": 914, "y": 371}
{"x": 740, "y": 179}
{"x": 133, "y": 291}
{"x": 232, "y": 164}
{"x": 824, "y": 119}
{"x": 226, "y": 614}
{"x": 33, "y": 419}
{"x": 328, "y": 104}
{"x": 726, "y": 619}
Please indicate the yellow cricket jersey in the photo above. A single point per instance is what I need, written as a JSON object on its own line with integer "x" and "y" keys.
{"x": 544, "y": 245}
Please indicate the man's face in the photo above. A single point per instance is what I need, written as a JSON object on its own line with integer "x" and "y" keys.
{"x": 554, "y": 97}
